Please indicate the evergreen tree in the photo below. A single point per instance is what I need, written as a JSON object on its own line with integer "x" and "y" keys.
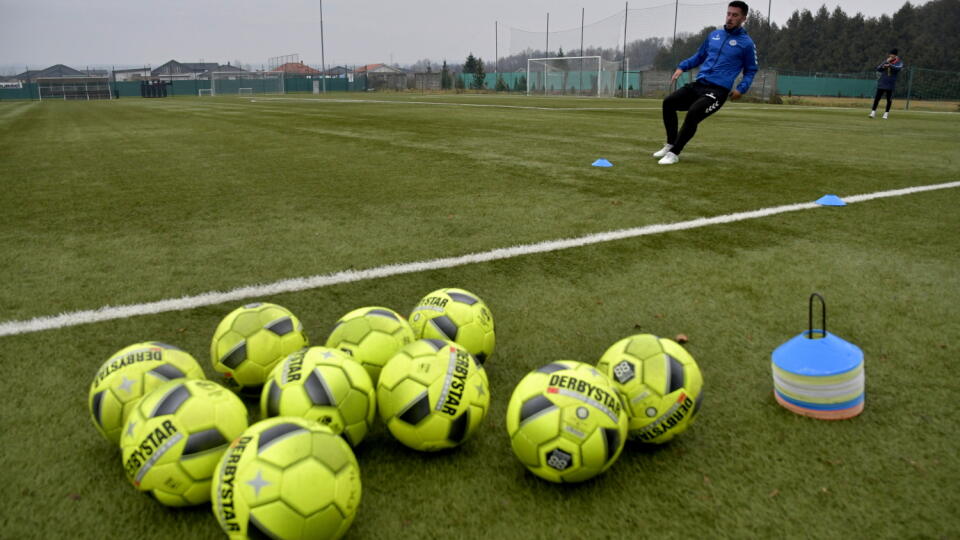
{"x": 820, "y": 41}
{"x": 445, "y": 82}
{"x": 682, "y": 48}
{"x": 479, "y": 75}
{"x": 936, "y": 46}
{"x": 521, "y": 85}
{"x": 837, "y": 29}
{"x": 470, "y": 66}
{"x": 836, "y": 42}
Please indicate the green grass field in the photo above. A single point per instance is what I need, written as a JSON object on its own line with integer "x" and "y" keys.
{"x": 134, "y": 201}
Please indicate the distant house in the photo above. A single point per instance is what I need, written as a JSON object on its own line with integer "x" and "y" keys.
{"x": 230, "y": 68}
{"x": 382, "y": 77}
{"x": 298, "y": 68}
{"x": 58, "y": 70}
{"x": 339, "y": 72}
{"x": 132, "y": 74}
{"x": 174, "y": 70}
{"x": 377, "y": 68}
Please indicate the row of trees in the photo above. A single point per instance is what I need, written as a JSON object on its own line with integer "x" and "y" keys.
{"x": 822, "y": 41}
{"x": 927, "y": 36}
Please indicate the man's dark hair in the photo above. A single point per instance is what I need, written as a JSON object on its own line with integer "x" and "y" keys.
{"x": 893, "y": 51}
{"x": 738, "y": 4}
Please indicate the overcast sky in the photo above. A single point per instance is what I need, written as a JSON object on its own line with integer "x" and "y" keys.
{"x": 40, "y": 33}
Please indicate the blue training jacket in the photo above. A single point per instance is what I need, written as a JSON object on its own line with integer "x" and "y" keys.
{"x": 888, "y": 74}
{"x": 723, "y": 55}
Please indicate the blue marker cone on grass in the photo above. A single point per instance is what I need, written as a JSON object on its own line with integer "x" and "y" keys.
{"x": 602, "y": 163}
{"x": 830, "y": 200}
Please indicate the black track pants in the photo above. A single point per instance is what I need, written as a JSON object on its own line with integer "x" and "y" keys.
{"x": 700, "y": 101}
{"x": 880, "y": 92}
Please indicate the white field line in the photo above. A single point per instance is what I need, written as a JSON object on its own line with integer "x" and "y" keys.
{"x": 743, "y": 107}
{"x": 107, "y": 313}
{"x": 794, "y": 108}
{"x": 494, "y": 105}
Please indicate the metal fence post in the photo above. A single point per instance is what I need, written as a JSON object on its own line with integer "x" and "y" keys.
{"x": 909, "y": 87}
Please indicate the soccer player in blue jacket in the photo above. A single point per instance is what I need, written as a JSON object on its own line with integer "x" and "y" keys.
{"x": 724, "y": 54}
{"x": 889, "y": 70}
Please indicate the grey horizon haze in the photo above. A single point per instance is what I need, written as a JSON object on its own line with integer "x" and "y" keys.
{"x": 41, "y": 33}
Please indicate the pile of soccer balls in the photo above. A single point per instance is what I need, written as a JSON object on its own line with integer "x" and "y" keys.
{"x": 186, "y": 440}
{"x": 568, "y": 421}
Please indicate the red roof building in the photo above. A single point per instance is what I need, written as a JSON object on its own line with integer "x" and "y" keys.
{"x": 377, "y": 68}
{"x": 300, "y": 68}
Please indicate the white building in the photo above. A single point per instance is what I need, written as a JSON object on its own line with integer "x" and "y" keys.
{"x": 134, "y": 74}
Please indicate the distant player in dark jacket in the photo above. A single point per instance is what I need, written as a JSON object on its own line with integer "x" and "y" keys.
{"x": 889, "y": 70}
{"x": 724, "y": 54}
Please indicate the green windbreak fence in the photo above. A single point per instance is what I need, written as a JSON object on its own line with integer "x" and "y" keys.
{"x": 576, "y": 81}
{"x": 514, "y": 81}
{"x": 126, "y": 89}
{"x": 120, "y": 89}
{"x": 795, "y": 85}
{"x": 303, "y": 84}
{"x": 913, "y": 84}
{"x": 929, "y": 84}
{"x": 27, "y": 92}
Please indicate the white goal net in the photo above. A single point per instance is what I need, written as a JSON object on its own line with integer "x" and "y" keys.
{"x": 232, "y": 83}
{"x": 67, "y": 88}
{"x": 572, "y": 76}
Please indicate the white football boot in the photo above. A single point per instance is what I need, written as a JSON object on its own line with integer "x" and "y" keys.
{"x": 669, "y": 159}
{"x": 663, "y": 151}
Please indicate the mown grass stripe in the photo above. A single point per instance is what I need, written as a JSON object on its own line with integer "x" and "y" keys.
{"x": 107, "y": 313}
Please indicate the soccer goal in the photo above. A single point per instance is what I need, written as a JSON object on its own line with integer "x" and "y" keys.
{"x": 205, "y": 92}
{"x": 246, "y": 83}
{"x": 572, "y": 76}
{"x": 69, "y": 88}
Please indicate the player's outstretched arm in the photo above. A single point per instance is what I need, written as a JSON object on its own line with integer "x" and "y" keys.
{"x": 750, "y": 68}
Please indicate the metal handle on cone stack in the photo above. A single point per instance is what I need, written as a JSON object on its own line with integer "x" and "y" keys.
{"x": 823, "y": 303}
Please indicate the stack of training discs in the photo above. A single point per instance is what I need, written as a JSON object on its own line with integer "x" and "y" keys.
{"x": 818, "y": 374}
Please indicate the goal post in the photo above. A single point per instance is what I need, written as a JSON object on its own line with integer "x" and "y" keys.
{"x": 74, "y": 88}
{"x": 225, "y": 83}
{"x": 205, "y": 92}
{"x": 572, "y": 76}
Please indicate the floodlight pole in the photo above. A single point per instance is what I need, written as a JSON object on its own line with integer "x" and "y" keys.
{"x": 580, "y": 71}
{"x": 583, "y": 11}
{"x": 623, "y": 81}
{"x": 673, "y": 42}
{"x": 496, "y": 55}
{"x": 763, "y": 89}
{"x": 323, "y": 63}
{"x": 547, "y": 52}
